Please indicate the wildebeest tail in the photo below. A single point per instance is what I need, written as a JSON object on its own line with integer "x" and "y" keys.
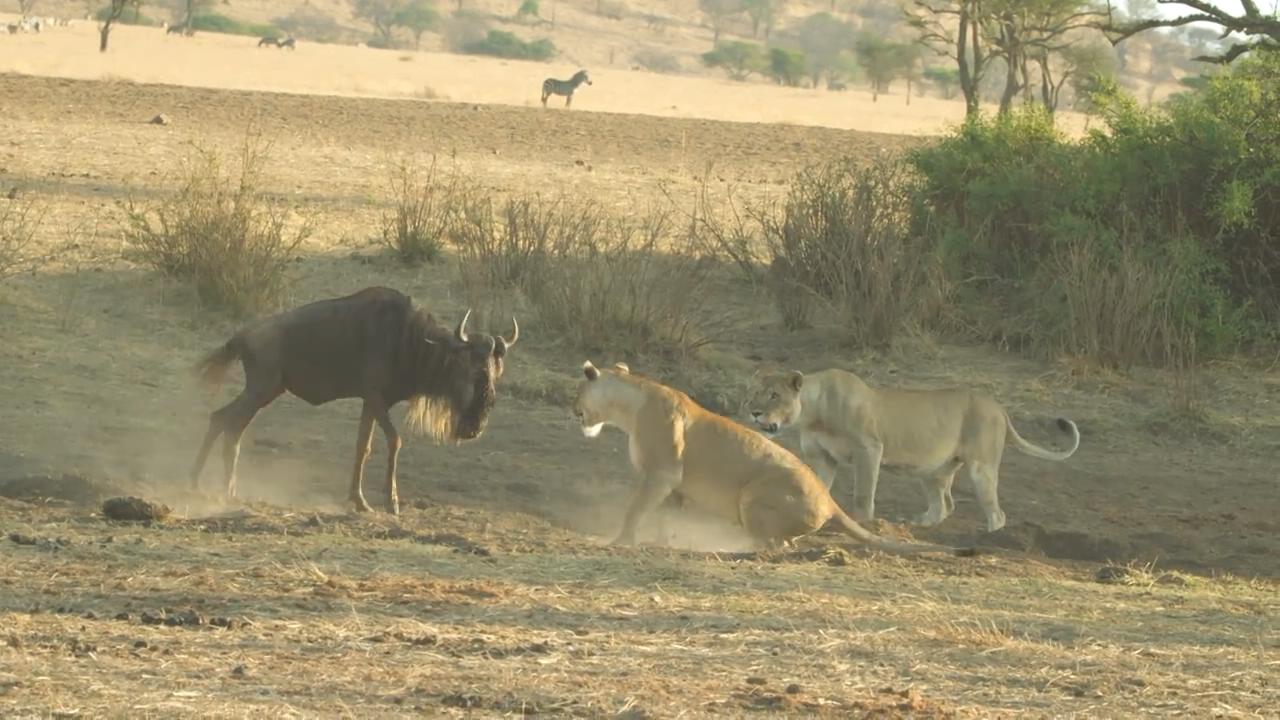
{"x": 856, "y": 531}
{"x": 212, "y": 368}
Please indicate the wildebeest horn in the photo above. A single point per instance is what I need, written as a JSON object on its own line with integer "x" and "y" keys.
{"x": 515, "y": 333}
{"x": 461, "y": 332}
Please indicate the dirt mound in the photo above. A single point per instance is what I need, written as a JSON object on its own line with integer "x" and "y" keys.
{"x": 1031, "y": 538}
{"x": 70, "y": 488}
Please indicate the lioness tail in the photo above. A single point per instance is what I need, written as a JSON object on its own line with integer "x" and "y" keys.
{"x": 1036, "y": 451}
{"x": 856, "y": 531}
{"x": 212, "y": 368}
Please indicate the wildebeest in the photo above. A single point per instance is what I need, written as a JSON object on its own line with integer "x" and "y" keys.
{"x": 180, "y": 29}
{"x": 274, "y": 41}
{"x": 376, "y": 345}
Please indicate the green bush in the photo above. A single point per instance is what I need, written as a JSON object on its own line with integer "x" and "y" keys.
{"x": 740, "y": 59}
{"x": 506, "y": 45}
{"x": 787, "y": 67}
{"x": 213, "y": 22}
{"x": 1155, "y": 236}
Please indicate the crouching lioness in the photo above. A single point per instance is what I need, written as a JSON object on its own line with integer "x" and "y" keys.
{"x": 714, "y": 464}
{"x": 931, "y": 433}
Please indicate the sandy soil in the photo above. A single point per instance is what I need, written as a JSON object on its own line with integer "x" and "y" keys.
{"x": 370, "y": 616}
{"x": 229, "y": 62}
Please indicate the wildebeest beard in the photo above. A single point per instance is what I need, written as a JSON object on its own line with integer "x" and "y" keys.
{"x": 443, "y": 417}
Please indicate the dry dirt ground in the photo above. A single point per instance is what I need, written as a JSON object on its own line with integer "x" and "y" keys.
{"x": 493, "y": 594}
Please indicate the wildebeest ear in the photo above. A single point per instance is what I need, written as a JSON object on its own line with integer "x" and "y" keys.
{"x": 796, "y": 379}
{"x": 590, "y": 370}
{"x": 622, "y": 368}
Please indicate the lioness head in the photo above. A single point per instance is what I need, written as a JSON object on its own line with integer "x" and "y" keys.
{"x": 775, "y": 401}
{"x": 591, "y": 407}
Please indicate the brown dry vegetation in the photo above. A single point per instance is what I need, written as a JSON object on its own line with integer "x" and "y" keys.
{"x": 493, "y": 594}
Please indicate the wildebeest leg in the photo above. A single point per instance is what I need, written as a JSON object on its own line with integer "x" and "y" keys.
{"x": 364, "y": 438}
{"x": 235, "y": 421}
{"x": 393, "y": 450}
{"x": 568, "y": 99}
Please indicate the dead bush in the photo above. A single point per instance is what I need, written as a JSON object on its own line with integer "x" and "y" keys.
{"x": 601, "y": 283}
{"x": 1125, "y": 305}
{"x": 425, "y": 202}
{"x": 19, "y": 221}
{"x": 844, "y": 239}
{"x": 219, "y": 232}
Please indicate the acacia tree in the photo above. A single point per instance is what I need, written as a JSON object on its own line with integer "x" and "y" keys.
{"x": 762, "y": 13}
{"x": 719, "y": 12}
{"x": 823, "y": 38}
{"x": 114, "y": 11}
{"x": 1257, "y": 30}
{"x": 1027, "y": 33}
{"x": 418, "y": 16}
{"x": 953, "y": 29}
{"x": 381, "y": 14}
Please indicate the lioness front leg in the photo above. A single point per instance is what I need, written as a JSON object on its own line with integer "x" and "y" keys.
{"x": 654, "y": 488}
{"x": 818, "y": 459}
{"x": 866, "y": 465}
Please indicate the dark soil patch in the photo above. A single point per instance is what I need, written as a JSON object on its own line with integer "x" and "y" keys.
{"x": 1031, "y": 538}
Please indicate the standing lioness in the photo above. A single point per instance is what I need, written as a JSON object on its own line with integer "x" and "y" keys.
{"x": 715, "y": 464}
{"x": 932, "y": 433}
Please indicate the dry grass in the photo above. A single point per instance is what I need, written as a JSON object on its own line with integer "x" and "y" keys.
{"x": 219, "y": 232}
{"x": 19, "y": 221}
{"x": 585, "y": 631}
{"x": 844, "y": 239}
{"x": 424, "y": 203}
{"x": 597, "y": 281}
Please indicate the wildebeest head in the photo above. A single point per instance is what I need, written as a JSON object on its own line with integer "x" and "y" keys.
{"x": 463, "y": 381}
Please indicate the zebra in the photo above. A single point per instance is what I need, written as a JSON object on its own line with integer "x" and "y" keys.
{"x": 551, "y": 86}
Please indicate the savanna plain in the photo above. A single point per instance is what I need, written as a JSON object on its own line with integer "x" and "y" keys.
{"x": 1136, "y": 579}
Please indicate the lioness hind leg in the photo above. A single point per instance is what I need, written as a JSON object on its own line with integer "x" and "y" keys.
{"x": 985, "y": 479}
{"x": 937, "y": 490}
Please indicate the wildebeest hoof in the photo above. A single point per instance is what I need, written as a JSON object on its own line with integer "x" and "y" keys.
{"x": 393, "y": 508}
{"x": 361, "y": 505}
{"x": 624, "y": 540}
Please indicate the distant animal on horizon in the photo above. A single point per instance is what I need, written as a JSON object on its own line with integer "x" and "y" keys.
{"x": 552, "y": 86}
{"x": 376, "y": 345}
{"x": 274, "y": 41}
{"x": 180, "y": 29}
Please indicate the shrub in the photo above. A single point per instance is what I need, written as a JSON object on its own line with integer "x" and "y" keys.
{"x": 219, "y": 233}
{"x": 740, "y": 59}
{"x": 611, "y": 9}
{"x": 213, "y": 22}
{"x": 1162, "y": 228}
{"x": 659, "y": 61}
{"x": 599, "y": 282}
{"x": 311, "y": 23}
{"x": 18, "y": 224}
{"x": 787, "y": 67}
{"x": 528, "y": 9}
{"x": 506, "y": 45}
{"x": 425, "y": 203}
{"x": 846, "y": 238}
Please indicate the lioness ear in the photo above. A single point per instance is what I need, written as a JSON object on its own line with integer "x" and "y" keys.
{"x": 590, "y": 370}
{"x": 622, "y": 368}
{"x": 796, "y": 379}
